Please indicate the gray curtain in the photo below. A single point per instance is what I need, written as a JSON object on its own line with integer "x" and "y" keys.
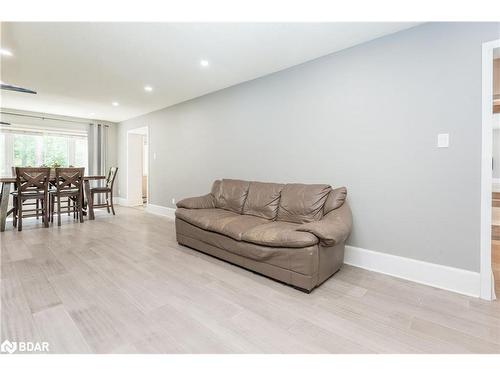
{"x": 98, "y": 153}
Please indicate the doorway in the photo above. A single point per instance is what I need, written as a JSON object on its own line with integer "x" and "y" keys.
{"x": 487, "y": 284}
{"x": 495, "y": 206}
{"x": 138, "y": 167}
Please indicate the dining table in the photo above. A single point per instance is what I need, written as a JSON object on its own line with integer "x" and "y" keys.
{"x": 7, "y": 182}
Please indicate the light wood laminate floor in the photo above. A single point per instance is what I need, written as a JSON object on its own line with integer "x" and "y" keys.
{"x": 121, "y": 284}
{"x": 495, "y": 264}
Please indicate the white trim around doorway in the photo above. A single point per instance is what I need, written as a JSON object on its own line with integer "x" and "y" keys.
{"x": 486, "y": 277}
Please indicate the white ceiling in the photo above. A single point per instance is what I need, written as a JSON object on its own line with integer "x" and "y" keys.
{"x": 79, "y": 69}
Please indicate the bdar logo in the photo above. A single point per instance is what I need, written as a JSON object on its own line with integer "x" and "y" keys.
{"x": 8, "y": 347}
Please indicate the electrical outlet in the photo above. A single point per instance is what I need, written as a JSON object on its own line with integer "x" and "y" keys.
{"x": 173, "y": 200}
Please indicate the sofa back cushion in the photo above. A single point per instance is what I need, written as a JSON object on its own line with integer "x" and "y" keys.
{"x": 263, "y": 200}
{"x": 216, "y": 189}
{"x": 301, "y": 203}
{"x": 335, "y": 199}
{"x": 231, "y": 195}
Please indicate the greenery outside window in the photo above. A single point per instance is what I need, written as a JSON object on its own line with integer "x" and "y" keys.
{"x": 21, "y": 147}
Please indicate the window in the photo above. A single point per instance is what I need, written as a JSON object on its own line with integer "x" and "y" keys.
{"x": 21, "y": 146}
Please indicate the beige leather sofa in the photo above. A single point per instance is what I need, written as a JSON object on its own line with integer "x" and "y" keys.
{"x": 294, "y": 233}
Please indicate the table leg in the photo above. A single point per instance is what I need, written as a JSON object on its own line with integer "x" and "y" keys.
{"x": 90, "y": 203}
{"x": 3, "y": 205}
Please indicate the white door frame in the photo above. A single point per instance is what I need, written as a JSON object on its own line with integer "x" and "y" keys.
{"x": 139, "y": 130}
{"x": 487, "y": 291}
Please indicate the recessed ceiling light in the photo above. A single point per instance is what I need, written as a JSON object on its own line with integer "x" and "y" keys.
{"x": 204, "y": 62}
{"x": 5, "y": 52}
{"x": 148, "y": 88}
{"x": 115, "y": 104}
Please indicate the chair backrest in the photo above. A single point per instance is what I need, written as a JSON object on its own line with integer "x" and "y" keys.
{"x": 32, "y": 179}
{"x": 110, "y": 180}
{"x": 69, "y": 178}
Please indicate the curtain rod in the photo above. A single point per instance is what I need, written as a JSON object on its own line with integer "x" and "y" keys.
{"x": 48, "y": 118}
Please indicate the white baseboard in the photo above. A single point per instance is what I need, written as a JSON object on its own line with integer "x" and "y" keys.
{"x": 436, "y": 275}
{"x": 161, "y": 210}
{"x": 124, "y": 202}
{"x": 439, "y": 276}
{"x": 119, "y": 201}
{"x": 151, "y": 208}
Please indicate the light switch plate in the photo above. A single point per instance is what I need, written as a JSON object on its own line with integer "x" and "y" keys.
{"x": 443, "y": 140}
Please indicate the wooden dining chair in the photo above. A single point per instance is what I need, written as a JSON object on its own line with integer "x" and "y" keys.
{"x": 108, "y": 190}
{"x": 70, "y": 203}
{"x": 68, "y": 184}
{"x": 31, "y": 184}
{"x": 1, "y": 194}
{"x": 30, "y": 205}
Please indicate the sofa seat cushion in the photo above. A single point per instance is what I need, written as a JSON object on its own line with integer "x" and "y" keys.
{"x": 220, "y": 221}
{"x": 202, "y": 218}
{"x": 231, "y": 195}
{"x": 279, "y": 234}
{"x": 301, "y": 203}
{"x": 301, "y": 260}
{"x": 235, "y": 226}
{"x": 263, "y": 200}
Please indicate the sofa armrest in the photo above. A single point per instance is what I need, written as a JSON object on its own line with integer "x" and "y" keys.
{"x": 334, "y": 228}
{"x": 205, "y": 201}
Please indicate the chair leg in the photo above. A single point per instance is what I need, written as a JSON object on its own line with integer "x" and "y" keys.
{"x": 112, "y": 206}
{"x": 58, "y": 211}
{"x": 45, "y": 211}
{"x": 94, "y": 202}
{"x": 52, "y": 208}
{"x": 14, "y": 213}
{"x": 20, "y": 216}
{"x": 42, "y": 213}
{"x": 79, "y": 204}
{"x": 107, "y": 203}
{"x": 37, "y": 207}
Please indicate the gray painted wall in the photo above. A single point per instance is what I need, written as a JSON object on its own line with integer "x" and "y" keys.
{"x": 367, "y": 118}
